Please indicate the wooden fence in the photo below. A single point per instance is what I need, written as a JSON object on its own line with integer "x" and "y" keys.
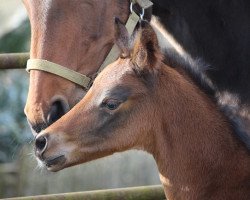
{"x": 23, "y": 178}
{"x": 13, "y": 60}
{"x": 135, "y": 193}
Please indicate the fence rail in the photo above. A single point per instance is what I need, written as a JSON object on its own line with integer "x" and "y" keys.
{"x": 138, "y": 193}
{"x": 13, "y": 60}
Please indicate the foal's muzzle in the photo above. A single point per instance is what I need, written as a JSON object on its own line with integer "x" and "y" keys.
{"x": 43, "y": 147}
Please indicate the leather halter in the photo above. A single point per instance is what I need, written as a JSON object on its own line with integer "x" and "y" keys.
{"x": 80, "y": 79}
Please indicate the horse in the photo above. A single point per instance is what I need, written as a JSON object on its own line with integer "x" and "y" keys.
{"x": 139, "y": 102}
{"x": 72, "y": 33}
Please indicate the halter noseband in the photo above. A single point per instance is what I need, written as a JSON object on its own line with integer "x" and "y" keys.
{"x": 78, "y": 78}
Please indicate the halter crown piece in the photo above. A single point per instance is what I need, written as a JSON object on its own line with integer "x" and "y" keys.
{"x": 81, "y": 79}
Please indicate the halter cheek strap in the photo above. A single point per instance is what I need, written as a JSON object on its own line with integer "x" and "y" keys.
{"x": 115, "y": 52}
{"x": 80, "y": 79}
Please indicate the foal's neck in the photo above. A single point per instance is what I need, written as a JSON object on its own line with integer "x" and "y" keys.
{"x": 196, "y": 151}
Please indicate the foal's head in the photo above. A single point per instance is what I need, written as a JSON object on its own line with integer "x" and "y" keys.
{"x": 118, "y": 113}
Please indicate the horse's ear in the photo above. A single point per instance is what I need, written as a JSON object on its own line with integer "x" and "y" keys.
{"x": 122, "y": 37}
{"x": 146, "y": 53}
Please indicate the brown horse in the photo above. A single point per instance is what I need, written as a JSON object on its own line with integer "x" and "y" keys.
{"x": 139, "y": 102}
{"x": 72, "y": 33}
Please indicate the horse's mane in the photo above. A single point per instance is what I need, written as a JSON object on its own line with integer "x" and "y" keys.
{"x": 196, "y": 69}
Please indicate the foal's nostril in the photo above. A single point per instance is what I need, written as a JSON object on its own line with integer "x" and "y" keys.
{"x": 57, "y": 110}
{"x": 41, "y": 143}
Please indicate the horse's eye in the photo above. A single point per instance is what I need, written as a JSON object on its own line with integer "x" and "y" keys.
{"x": 111, "y": 104}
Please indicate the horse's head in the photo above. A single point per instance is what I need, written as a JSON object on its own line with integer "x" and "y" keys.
{"x": 75, "y": 34}
{"x": 117, "y": 113}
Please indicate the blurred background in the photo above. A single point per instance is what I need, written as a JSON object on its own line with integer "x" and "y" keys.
{"x": 19, "y": 174}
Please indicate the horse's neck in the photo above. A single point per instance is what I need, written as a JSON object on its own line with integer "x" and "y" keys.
{"x": 195, "y": 149}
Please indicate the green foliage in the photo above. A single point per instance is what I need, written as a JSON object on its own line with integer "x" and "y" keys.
{"x": 13, "y": 125}
{"x": 17, "y": 40}
{"x": 13, "y": 92}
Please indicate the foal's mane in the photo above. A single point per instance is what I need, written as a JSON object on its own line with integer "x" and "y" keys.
{"x": 195, "y": 69}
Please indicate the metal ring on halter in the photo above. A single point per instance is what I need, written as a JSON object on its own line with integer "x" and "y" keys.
{"x": 141, "y": 14}
{"x": 131, "y": 7}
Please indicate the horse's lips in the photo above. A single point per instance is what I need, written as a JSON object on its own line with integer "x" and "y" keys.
{"x": 57, "y": 160}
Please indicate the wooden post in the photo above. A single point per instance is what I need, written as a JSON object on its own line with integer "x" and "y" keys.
{"x": 138, "y": 193}
{"x": 13, "y": 60}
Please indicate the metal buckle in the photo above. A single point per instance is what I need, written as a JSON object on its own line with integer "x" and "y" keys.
{"x": 141, "y": 14}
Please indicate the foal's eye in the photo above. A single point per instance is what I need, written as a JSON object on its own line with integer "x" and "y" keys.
{"x": 111, "y": 104}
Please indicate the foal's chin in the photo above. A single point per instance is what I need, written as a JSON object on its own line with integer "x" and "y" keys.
{"x": 57, "y": 163}
{"x": 55, "y": 168}
{"x": 53, "y": 164}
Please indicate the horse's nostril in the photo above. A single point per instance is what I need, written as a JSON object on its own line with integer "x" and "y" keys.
{"x": 57, "y": 110}
{"x": 41, "y": 143}
{"x": 37, "y": 128}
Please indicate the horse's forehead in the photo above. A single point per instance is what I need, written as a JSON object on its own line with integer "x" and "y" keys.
{"x": 65, "y": 14}
{"x": 47, "y": 3}
{"x": 38, "y": 4}
{"x": 54, "y": 4}
{"x": 44, "y": 7}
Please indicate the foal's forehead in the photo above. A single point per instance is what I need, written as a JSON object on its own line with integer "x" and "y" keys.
{"x": 115, "y": 72}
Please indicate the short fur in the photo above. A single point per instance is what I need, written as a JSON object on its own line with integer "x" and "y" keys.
{"x": 79, "y": 34}
{"x": 197, "y": 153}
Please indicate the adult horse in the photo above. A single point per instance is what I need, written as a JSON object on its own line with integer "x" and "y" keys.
{"x": 72, "y": 33}
{"x": 140, "y": 102}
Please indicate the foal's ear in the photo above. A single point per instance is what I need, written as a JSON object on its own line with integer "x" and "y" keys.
{"x": 146, "y": 53}
{"x": 122, "y": 37}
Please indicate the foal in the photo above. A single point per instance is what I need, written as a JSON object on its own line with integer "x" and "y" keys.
{"x": 139, "y": 102}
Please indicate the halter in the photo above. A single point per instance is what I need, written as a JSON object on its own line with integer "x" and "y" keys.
{"x": 81, "y": 79}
